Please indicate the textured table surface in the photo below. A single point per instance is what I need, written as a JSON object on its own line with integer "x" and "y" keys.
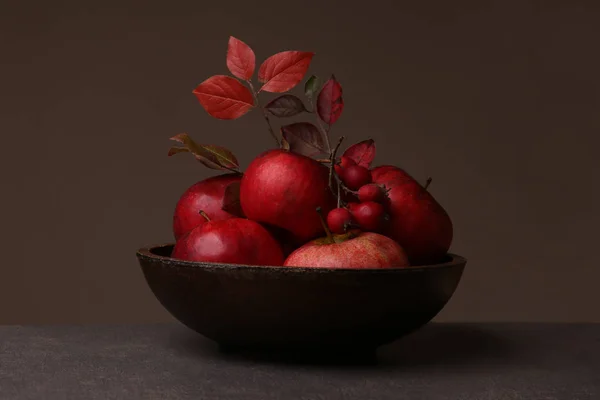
{"x": 441, "y": 361}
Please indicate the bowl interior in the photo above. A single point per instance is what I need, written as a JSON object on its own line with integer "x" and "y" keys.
{"x": 163, "y": 253}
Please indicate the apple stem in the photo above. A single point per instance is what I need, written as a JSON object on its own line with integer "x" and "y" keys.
{"x": 427, "y": 183}
{"x": 327, "y": 231}
{"x": 201, "y": 212}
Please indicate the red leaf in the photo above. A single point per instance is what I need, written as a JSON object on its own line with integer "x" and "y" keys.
{"x": 176, "y": 150}
{"x": 330, "y": 103}
{"x": 231, "y": 200}
{"x": 241, "y": 60}
{"x": 284, "y": 70}
{"x": 303, "y": 138}
{"x": 224, "y": 97}
{"x": 362, "y": 153}
{"x": 286, "y": 105}
{"x": 215, "y": 157}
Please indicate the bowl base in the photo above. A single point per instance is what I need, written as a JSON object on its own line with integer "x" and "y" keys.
{"x": 317, "y": 354}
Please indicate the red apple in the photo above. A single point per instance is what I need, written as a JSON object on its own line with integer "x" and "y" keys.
{"x": 388, "y": 173}
{"x": 282, "y": 188}
{"x": 417, "y": 221}
{"x": 233, "y": 241}
{"x": 284, "y": 238}
{"x": 206, "y": 195}
{"x": 351, "y": 250}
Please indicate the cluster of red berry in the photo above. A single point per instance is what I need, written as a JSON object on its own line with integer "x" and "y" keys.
{"x": 369, "y": 213}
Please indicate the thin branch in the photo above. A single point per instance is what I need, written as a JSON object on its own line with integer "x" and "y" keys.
{"x": 344, "y": 187}
{"x": 332, "y": 162}
{"x": 324, "y": 132}
{"x": 427, "y": 183}
{"x": 337, "y": 146}
{"x": 264, "y": 112}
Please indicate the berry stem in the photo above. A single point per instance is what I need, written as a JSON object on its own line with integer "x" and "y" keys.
{"x": 337, "y": 146}
{"x": 344, "y": 187}
{"x": 427, "y": 183}
{"x": 332, "y": 156}
{"x": 201, "y": 212}
{"x": 327, "y": 231}
{"x": 327, "y": 135}
{"x": 264, "y": 113}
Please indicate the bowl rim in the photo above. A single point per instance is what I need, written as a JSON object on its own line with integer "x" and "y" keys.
{"x": 146, "y": 253}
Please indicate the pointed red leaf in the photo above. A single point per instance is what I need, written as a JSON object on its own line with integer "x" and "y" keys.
{"x": 303, "y": 138}
{"x": 231, "y": 200}
{"x": 362, "y": 153}
{"x": 176, "y": 150}
{"x": 330, "y": 103}
{"x": 241, "y": 60}
{"x": 286, "y": 105}
{"x": 214, "y": 157}
{"x": 224, "y": 97}
{"x": 284, "y": 70}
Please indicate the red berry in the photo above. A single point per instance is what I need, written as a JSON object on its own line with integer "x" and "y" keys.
{"x": 352, "y": 206}
{"x": 371, "y": 192}
{"x": 338, "y": 220}
{"x": 347, "y": 162}
{"x": 356, "y": 176}
{"x": 369, "y": 215}
{"x": 340, "y": 168}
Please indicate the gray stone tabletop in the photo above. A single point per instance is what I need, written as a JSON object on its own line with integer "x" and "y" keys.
{"x": 169, "y": 361}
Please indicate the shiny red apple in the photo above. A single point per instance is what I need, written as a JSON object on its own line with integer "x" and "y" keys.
{"x": 283, "y": 189}
{"x": 233, "y": 241}
{"x": 417, "y": 221}
{"x": 354, "y": 249}
{"x": 206, "y": 195}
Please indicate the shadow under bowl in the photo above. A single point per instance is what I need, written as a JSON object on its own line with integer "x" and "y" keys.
{"x": 288, "y": 308}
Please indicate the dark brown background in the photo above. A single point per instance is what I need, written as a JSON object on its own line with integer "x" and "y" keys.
{"x": 498, "y": 101}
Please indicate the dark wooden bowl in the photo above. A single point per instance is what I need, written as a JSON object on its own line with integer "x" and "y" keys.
{"x": 282, "y": 308}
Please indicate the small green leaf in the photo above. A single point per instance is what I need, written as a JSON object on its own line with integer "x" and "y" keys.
{"x": 214, "y": 157}
{"x": 312, "y": 86}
